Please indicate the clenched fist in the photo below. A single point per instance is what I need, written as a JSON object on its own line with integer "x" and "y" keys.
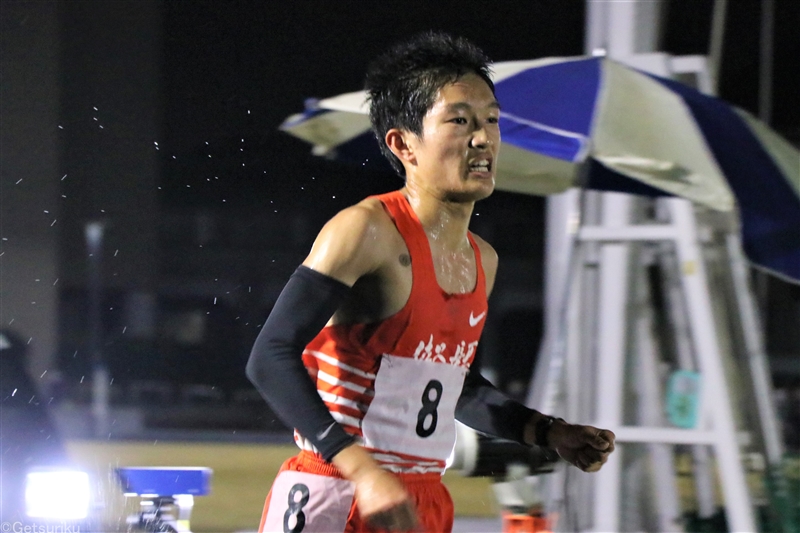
{"x": 381, "y": 497}
{"x": 586, "y": 447}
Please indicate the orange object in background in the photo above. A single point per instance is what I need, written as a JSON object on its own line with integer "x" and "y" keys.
{"x": 524, "y": 523}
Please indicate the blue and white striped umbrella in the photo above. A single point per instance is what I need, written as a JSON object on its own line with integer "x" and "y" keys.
{"x": 635, "y": 132}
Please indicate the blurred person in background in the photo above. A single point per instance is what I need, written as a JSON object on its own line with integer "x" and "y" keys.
{"x": 367, "y": 351}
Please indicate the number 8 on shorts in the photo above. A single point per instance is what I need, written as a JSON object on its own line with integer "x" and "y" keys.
{"x": 308, "y": 503}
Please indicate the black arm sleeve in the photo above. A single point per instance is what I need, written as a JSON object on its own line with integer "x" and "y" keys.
{"x": 276, "y": 367}
{"x": 484, "y": 408}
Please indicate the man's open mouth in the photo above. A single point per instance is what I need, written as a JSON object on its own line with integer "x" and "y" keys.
{"x": 481, "y": 165}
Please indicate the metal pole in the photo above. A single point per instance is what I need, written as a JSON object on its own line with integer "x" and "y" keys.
{"x": 562, "y": 219}
{"x": 621, "y": 34}
{"x": 100, "y": 380}
{"x": 738, "y": 506}
{"x": 766, "y": 54}
{"x": 716, "y": 42}
{"x": 664, "y": 487}
{"x": 765, "y": 69}
{"x": 612, "y": 332}
{"x": 756, "y": 354}
{"x": 677, "y": 310}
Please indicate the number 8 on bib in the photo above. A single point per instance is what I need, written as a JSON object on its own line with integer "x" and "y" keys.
{"x": 413, "y": 410}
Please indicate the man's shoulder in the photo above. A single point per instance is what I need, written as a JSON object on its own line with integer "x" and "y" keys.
{"x": 367, "y": 215}
{"x": 364, "y": 225}
{"x": 356, "y": 241}
{"x": 372, "y": 204}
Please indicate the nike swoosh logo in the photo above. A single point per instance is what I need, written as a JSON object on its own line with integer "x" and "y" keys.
{"x": 323, "y": 434}
{"x": 473, "y": 320}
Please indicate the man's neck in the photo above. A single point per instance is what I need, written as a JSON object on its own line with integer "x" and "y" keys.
{"x": 445, "y": 222}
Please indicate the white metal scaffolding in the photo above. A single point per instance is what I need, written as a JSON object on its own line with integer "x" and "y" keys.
{"x": 602, "y": 362}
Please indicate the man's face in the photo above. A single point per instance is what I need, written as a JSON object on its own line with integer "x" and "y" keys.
{"x": 456, "y": 155}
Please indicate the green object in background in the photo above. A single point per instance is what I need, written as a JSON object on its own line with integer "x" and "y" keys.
{"x": 783, "y": 487}
{"x": 715, "y": 523}
{"x": 780, "y": 515}
{"x": 683, "y": 398}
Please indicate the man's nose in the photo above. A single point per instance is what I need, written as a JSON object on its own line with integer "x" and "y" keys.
{"x": 480, "y": 137}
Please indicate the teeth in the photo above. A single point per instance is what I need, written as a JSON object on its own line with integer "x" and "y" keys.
{"x": 480, "y": 166}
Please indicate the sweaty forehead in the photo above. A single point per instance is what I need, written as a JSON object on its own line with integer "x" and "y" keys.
{"x": 468, "y": 92}
{"x": 467, "y": 106}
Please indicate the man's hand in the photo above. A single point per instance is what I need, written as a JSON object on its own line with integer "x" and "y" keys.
{"x": 586, "y": 447}
{"x": 381, "y": 498}
{"x": 383, "y": 502}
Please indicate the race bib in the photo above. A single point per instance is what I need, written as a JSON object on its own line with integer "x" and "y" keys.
{"x": 413, "y": 410}
{"x": 308, "y": 503}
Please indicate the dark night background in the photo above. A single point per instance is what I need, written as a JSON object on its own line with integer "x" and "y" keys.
{"x": 162, "y": 119}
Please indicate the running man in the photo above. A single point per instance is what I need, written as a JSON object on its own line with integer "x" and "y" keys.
{"x": 367, "y": 351}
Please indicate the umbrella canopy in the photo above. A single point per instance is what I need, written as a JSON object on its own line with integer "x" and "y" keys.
{"x": 634, "y": 132}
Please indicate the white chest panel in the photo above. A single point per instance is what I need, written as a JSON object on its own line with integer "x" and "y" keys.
{"x": 413, "y": 410}
{"x": 309, "y": 503}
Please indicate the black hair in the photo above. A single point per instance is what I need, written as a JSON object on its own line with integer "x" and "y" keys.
{"x": 403, "y": 82}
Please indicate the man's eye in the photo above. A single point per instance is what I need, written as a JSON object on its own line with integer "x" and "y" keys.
{"x": 493, "y": 120}
{"x": 459, "y": 120}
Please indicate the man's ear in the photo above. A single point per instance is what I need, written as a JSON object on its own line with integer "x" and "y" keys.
{"x": 397, "y": 141}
